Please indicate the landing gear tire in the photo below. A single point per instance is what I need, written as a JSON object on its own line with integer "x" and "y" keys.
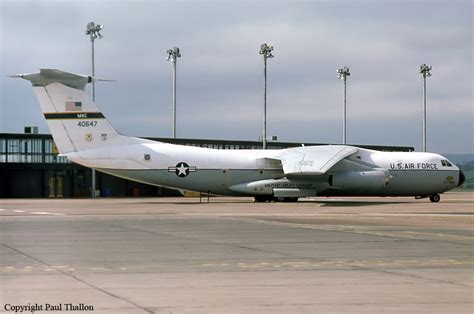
{"x": 262, "y": 198}
{"x": 286, "y": 199}
{"x": 435, "y": 198}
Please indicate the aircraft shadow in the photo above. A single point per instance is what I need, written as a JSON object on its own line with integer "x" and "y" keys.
{"x": 324, "y": 203}
{"x": 351, "y": 203}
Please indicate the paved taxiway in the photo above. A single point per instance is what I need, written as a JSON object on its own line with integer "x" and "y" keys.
{"x": 173, "y": 255}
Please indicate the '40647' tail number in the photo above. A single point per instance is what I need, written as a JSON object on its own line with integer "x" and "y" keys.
{"x": 87, "y": 124}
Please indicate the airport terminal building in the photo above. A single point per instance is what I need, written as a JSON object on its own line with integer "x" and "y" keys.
{"x": 31, "y": 167}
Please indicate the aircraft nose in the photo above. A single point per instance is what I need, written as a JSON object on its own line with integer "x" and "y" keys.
{"x": 462, "y": 178}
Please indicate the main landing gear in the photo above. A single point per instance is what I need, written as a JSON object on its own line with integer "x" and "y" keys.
{"x": 433, "y": 198}
{"x": 269, "y": 198}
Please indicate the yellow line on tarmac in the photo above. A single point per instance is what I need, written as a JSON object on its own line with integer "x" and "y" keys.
{"x": 372, "y": 231}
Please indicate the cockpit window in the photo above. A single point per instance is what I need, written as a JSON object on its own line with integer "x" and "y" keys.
{"x": 446, "y": 163}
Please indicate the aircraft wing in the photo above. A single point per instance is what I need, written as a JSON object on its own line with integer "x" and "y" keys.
{"x": 313, "y": 160}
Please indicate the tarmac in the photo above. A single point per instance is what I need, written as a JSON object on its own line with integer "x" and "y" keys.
{"x": 177, "y": 255}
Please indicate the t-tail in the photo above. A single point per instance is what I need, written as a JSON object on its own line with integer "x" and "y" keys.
{"x": 73, "y": 118}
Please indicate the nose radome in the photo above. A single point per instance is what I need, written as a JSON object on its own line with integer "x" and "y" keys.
{"x": 462, "y": 178}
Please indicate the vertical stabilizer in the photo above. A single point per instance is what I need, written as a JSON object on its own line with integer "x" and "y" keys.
{"x": 74, "y": 120}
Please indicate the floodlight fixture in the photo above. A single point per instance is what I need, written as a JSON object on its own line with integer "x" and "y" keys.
{"x": 93, "y": 30}
{"x": 173, "y": 55}
{"x": 425, "y": 72}
{"x": 266, "y": 52}
{"x": 343, "y": 74}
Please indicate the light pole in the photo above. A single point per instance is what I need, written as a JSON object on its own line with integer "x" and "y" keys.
{"x": 93, "y": 31}
{"x": 343, "y": 74}
{"x": 425, "y": 71}
{"x": 173, "y": 55}
{"x": 266, "y": 52}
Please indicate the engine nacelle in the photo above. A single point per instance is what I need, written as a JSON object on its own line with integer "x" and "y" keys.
{"x": 359, "y": 180}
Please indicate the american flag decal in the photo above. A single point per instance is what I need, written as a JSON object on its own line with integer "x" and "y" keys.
{"x": 73, "y": 106}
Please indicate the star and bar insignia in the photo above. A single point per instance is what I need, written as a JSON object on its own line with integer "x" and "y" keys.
{"x": 182, "y": 169}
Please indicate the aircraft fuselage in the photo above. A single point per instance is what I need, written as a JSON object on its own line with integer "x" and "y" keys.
{"x": 249, "y": 172}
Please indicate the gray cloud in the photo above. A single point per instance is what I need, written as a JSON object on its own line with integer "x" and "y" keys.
{"x": 220, "y": 73}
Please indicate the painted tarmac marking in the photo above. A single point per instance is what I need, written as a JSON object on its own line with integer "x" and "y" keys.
{"x": 46, "y": 213}
{"x": 369, "y": 231}
{"x": 97, "y": 268}
{"x": 55, "y": 268}
{"x": 339, "y": 263}
{"x": 20, "y": 211}
{"x": 400, "y": 264}
{"x": 59, "y": 266}
{"x": 437, "y": 235}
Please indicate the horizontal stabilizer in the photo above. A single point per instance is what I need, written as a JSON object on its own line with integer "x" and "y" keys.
{"x": 49, "y": 76}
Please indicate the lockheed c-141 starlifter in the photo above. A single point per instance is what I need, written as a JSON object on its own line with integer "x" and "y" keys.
{"x": 85, "y": 136}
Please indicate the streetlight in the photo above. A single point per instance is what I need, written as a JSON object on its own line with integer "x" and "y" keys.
{"x": 266, "y": 52}
{"x": 343, "y": 74}
{"x": 425, "y": 71}
{"x": 173, "y": 55}
{"x": 93, "y": 31}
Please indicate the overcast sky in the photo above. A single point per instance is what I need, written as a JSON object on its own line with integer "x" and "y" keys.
{"x": 220, "y": 74}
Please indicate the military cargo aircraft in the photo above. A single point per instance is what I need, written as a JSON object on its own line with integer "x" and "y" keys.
{"x": 85, "y": 136}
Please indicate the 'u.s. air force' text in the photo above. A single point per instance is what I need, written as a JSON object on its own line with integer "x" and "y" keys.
{"x": 414, "y": 166}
